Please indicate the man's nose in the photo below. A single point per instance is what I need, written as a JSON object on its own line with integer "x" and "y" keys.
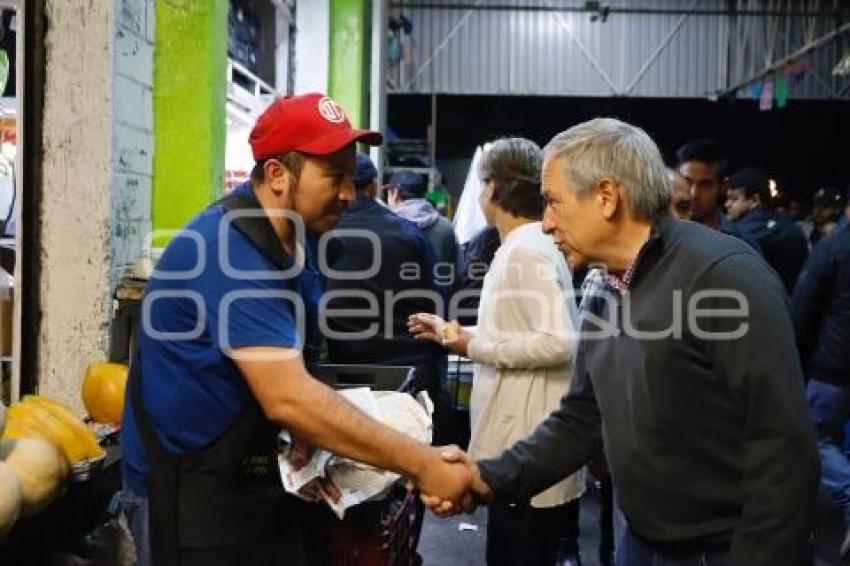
{"x": 548, "y": 223}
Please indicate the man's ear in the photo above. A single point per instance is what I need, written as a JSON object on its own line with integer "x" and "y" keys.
{"x": 608, "y": 198}
{"x": 277, "y": 176}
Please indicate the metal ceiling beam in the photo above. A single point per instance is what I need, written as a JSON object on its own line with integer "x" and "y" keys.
{"x": 431, "y": 59}
{"x": 658, "y": 51}
{"x": 809, "y": 47}
{"x": 587, "y": 55}
{"x": 611, "y": 10}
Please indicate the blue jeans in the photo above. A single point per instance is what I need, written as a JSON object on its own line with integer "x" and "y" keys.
{"x": 634, "y": 551}
{"x": 135, "y": 511}
{"x": 830, "y": 410}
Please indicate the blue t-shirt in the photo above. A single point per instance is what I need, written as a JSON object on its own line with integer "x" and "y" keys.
{"x": 212, "y": 290}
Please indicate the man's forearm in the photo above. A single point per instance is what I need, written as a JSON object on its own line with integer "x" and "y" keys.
{"x": 292, "y": 398}
{"x": 562, "y": 444}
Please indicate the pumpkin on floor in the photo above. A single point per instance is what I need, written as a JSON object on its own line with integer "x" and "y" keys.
{"x": 10, "y": 499}
{"x": 41, "y": 469}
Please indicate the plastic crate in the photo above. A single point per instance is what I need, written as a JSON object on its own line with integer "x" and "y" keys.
{"x": 378, "y": 378}
{"x": 381, "y": 533}
{"x": 374, "y": 533}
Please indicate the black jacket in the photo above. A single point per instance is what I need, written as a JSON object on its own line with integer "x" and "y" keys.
{"x": 404, "y": 284}
{"x": 821, "y": 307}
{"x": 782, "y": 243}
{"x": 708, "y": 441}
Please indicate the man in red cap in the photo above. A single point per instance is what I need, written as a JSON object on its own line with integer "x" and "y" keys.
{"x": 219, "y": 368}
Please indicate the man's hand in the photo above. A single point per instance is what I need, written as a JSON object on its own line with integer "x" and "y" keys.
{"x": 444, "y": 507}
{"x": 443, "y": 479}
{"x": 450, "y": 335}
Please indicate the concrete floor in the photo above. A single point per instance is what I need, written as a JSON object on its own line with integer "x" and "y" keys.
{"x": 443, "y": 544}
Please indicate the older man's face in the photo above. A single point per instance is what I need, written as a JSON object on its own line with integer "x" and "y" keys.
{"x": 572, "y": 220}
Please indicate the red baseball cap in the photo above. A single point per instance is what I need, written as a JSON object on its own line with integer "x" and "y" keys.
{"x": 308, "y": 123}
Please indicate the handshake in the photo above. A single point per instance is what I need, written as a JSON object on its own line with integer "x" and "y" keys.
{"x": 452, "y": 485}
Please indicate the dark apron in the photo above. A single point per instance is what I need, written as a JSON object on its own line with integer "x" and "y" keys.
{"x": 223, "y": 504}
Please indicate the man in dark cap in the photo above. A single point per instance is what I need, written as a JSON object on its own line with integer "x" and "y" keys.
{"x": 781, "y": 240}
{"x": 827, "y": 209}
{"x": 406, "y": 196}
{"x": 365, "y": 178}
{"x": 219, "y": 370}
{"x": 367, "y": 315}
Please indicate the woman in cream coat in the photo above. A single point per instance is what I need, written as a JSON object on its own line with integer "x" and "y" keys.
{"x": 523, "y": 345}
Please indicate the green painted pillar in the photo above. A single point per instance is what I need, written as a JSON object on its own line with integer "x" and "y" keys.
{"x": 189, "y": 97}
{"x": 346, "y": 73}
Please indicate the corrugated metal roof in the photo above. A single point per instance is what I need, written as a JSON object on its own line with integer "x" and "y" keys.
{"x": 518, "y": 47}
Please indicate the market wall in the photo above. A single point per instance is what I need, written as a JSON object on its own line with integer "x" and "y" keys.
{"x": 96, "y": 178}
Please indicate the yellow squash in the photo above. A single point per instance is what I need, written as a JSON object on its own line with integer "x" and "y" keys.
{"x": 34, "y": 420}
{"x": 84, "y": 436}
{"x": 103, "y": 391}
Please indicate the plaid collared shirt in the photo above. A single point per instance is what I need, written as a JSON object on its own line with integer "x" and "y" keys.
{"x": 622, "y": 284}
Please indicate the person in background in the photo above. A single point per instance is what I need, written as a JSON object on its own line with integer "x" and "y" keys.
{"x": 844, "y": 219}
{"x": 523, "y": 346}
{"x": 821, "y": 310}
{"x": 709, "y": 446}
{"x": 781, "y": 241}
{"x": 798, "y": 211}
{"x": 406, "y": 197}
{"x": 404, "y": 260}
{"x": 681, "y": 200}
{"x": 704, "y": 166}
{"x": 828, "y": 206}
{"x": 365, "y": 178}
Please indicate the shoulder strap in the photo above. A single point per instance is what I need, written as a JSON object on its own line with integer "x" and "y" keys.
{"x": 257, "y": 228}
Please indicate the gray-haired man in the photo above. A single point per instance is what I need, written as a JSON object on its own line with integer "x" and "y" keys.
{"x": 689, "y": 372}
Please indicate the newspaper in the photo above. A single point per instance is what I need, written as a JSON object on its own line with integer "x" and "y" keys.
{"x": 358, "y": 482}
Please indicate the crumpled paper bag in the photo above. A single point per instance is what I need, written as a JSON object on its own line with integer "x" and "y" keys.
{"x": 358, "y": 482}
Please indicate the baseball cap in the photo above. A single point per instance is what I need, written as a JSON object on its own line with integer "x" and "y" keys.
{"x": 364, "y": 171}
{"x": 830, "y": 196}
{"x": 409, "y": 182}
{"x": 309, "y": 123}
{"x": 752, "y": 180}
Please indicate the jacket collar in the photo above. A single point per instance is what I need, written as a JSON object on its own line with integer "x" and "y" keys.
{"x": 256, "y": 227}
{"x": 663, "y": 225}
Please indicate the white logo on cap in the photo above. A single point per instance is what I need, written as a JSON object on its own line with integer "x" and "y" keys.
{"x": 331, "y": 110}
